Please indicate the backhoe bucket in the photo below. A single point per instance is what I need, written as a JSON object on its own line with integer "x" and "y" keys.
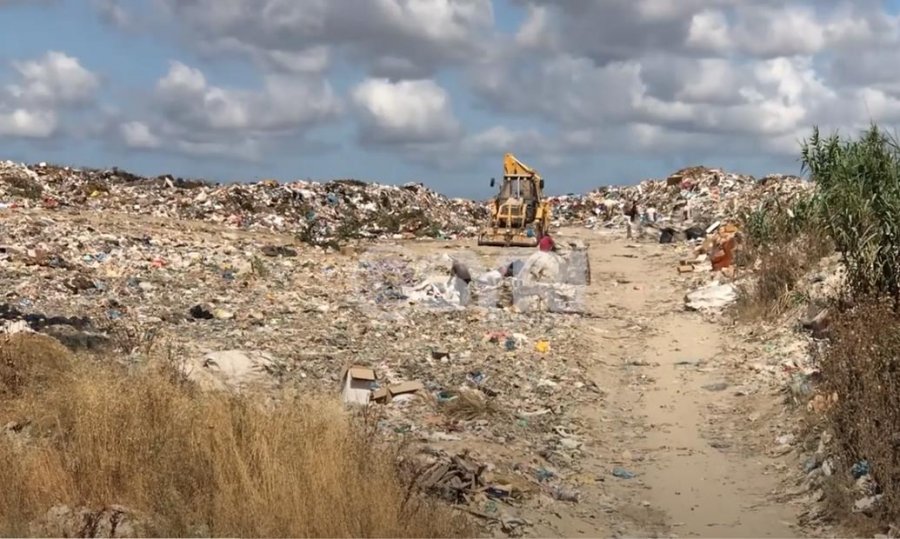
{"x": 507, "y": 238}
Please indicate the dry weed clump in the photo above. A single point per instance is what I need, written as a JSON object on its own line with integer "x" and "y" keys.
{"x": 30, "y": 361}
{"x": 862, "y": 365}
{"x": 780, "y": 269}
{"x": 470, "y": 405}
{"x": 198, "y": 463}
{"x": 783, "y": 242}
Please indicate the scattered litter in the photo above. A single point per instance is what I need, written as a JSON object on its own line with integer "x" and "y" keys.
{"x": 712, "y": 297}
{"x": 622, "y": 473}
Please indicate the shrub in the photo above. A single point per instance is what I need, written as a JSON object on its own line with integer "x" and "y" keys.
{"x": 859, "y": 205}
{"x": 783, "y": 241}
{"x": 862, "y": 366}
{"x": 777, "y": 276}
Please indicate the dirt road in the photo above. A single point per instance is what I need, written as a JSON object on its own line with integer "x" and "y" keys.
{"x": 673, "y": 445}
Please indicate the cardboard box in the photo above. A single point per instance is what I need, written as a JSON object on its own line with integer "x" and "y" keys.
{"x": 358, "y": 382}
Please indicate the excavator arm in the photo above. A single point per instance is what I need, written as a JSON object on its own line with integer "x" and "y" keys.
{"x": 513, "y": 167}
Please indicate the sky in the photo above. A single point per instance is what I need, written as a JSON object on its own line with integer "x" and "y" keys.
{"x": 587, "y": 92}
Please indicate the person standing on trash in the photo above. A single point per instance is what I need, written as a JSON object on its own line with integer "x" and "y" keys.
{"x": 547, "y": 244}
{"x": 461, "y": 272}
{"x": 460, "y": 279}
{"x": 633, "y": 213}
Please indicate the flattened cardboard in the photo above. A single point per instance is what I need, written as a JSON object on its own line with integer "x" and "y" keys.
{"x": 381, "y": 395}
{"x": 361, "y": 373}
{"x": 405, "y": 387}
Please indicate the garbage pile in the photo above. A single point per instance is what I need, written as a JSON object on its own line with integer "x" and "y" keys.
{"x": 693, "y": 195}
{"x": 318, "y": 213}
{"x": 249, "y": 310}
{"x": 337, "y": 211}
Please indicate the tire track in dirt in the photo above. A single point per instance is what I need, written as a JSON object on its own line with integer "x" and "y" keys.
{"x": 670, "y": 416}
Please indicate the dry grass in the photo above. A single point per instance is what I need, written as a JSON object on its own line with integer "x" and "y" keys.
{"x": 196, "y": 463}
{"x": 770, "y": 294}
{"x": 470, "y": 405}
{"x": 861, "y": 365}
{"x": 32, "y": 362}
{"x": 780, "y": 268}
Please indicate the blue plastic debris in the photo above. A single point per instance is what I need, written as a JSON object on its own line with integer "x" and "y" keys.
{"x": 860, "y": 469}
{"x": 622, "y": 473}
{"x": 543, "y": 474}
{"x": 445, "y": 396}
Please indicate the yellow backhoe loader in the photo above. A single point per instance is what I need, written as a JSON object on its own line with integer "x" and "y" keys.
{"x": 520, "y": 215}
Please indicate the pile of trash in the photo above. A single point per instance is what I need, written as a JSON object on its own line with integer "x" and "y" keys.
{"x": 693, "y": 195}
{"x": 341, "y": 210}
{"x": 247, "y": 310}
{"x": 542, "y": 281}
{"x": 318, "y": 213}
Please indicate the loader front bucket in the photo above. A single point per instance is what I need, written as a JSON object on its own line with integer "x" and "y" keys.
{"x": 507, "y": 238}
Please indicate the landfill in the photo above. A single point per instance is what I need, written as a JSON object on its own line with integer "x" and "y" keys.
{"x": 254, "y": 309}
{"x": 695, "y": 195}
{"x": 343, "y": 210}
{"x": 318, "y": 213}
{"x": 475, "y": 354}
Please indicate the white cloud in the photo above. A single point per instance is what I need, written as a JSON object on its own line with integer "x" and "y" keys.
{"x": 786, "y": 31}
{"x": 404, "y": 112}
{"x": 284, "y": 102}
{"x": 188, "y": 114}
{"x": 47, "y": 89}
{"x": 138, "y": 135}
{"x": 54, "y": 79}
{"x": 709, "y": 32}
{"x": 724, "y": 76}
{"x": 418, "y": 35}
{"x": 534, "y": 32}
{"x": 25, "y": 123}
{"x": 577, "y": 77}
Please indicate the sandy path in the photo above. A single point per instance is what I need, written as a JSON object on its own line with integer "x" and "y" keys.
{"x": 670, "y": 414}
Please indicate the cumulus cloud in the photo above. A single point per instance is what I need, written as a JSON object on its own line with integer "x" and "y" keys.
{"x": 138, "y": 135}
{"x": 190, "y": 115}
{"x": 54, "y": 79}
{"x": 45, "y": 89}
{"x": 404, "y": 112}
{"x": 26, "y": 123}
{"x": 390, "y": 37}
{"x": 727, "y": 76}
{"x": 576, "y": 78}
{"x": 283, "y": 104}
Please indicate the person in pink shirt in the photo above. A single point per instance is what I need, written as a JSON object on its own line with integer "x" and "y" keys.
{"x": 546, "y": 243}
